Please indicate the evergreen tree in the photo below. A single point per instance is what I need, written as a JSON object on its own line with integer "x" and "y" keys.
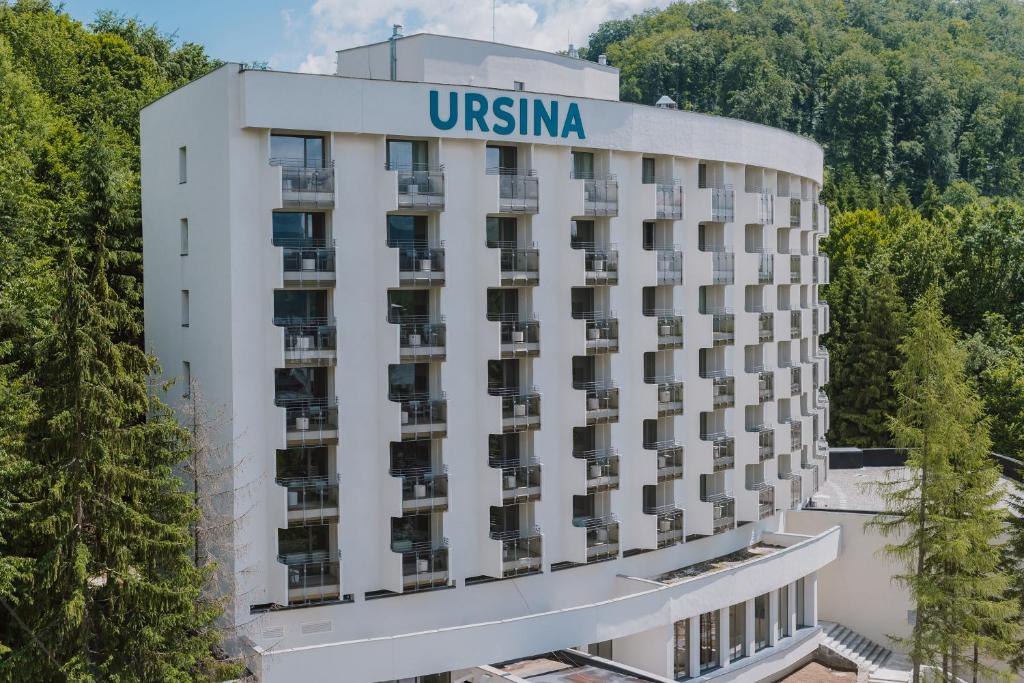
{"x": 1014, "y": 566}
{"x": 943, "y": 515}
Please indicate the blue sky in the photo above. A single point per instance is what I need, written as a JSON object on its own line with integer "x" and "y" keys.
{"x": 303, "y": 34}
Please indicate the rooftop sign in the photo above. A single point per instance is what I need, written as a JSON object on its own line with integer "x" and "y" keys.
{"x": 505, "y": 116}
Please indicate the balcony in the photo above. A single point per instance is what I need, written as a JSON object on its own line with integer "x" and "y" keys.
{"x": 520, "y": 338}
{"x": 668, "y": 199}
{"x": 600, "y": 195}
{"x": 794, "y": 212}
{"x": 822, "y": 399}
{"x": 795, "y": 324}
{"x": 420, "y": 186}
{"x": 765, "y": 499}
{"x": 795, "y": 381}
{"x": 723, "y": 450}
{"x": 796, "y": 486}
{"x": 765, "y": 208}
{"x": 765, "y": 384}
{"x": 602, "y": 401}
{"x": 723, "y": 513}
{"x": 795, "y": 433}
{"x": 723, "y": 391}
{"x": 309, "y": 341}
{"x": 602, "y": 536}
{"x": 424, "y": 489}
{"x": 310, "y": 421}
{"x": 765, "y": 326}
{"x": 602, "y": 333}
{"x": 794, "y": 269}
{"x": 670, "y": 329}
{"x": 602, "y": 469}
{"x": 421, "y": 338}
{"x": 670, "y": 395}
{"x": 520, "y": 551}
{"x": 723, "y": 204}
{"x": 814, "y": 216}
{"x": 424, "y": 563}
{"x": 303, "y": 186}
{"x": 723, "y": 267}
{"x": 520, "y": 408}
{"x": 600, "y": 264}
{"x": 312, "y": 577}
{"x": 821, "y": 449}
{"x": 814, "y": 269}
{"x": 670, "y": 524}
{"x": 723, "y": 328}
{"x": 670, "y": 459}
{"x": 520, "y": 483}
{"x": 670, "y": 267}
{"x": 518, "y": 190}
{"x": 311, "y": 500}
{"x": 308, "y": 262}
{"x": 520, "y": 266}
{"x": 765, "y": 441}
{"x": 424, "y": 417}
{"x": 765, "y": 268}
{"x": 419, "y": 265}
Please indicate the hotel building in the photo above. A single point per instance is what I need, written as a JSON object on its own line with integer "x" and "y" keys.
{"x": 507, "y": 365}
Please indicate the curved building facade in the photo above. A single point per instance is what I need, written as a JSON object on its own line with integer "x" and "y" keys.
{"x": 505, "y": 365}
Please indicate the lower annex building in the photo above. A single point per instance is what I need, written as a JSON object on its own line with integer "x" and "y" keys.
{"x": 504, "y": 362}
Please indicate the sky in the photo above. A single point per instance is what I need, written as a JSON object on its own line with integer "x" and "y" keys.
{"x": 302, "y": 35}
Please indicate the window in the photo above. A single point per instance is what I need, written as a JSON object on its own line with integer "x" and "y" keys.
{"x": 184, "y": 308}
{"x": 518, "y": 85}
{"x": 182, "y": 165}
{"x": 648, "y": 235}
{"x": 183, "y": 227}
{"x": 682, "y": 648}
{"x": 801, "y": 605}
{"x": 408, "y": 155}
{"x": 501, "y": 158}
{"x": 501, "y": 231}
{"x": 583, "y": 165}
{"x": 783, "y": 627}
{"x": 602, "y": 649}
{"x": 297, "y": 151}
{"x": 296, "y": 228}
{"x": 761, "y": 616}
{"x": 702, "y": 175}
{"x": 647, "y": 170}
{"x": 186, "y": 379}
{"x": 709, "y": 627}
{"x": 737, "y": 630}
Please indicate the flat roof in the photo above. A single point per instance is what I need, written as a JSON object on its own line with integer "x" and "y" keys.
{"x": 853, "y": 489}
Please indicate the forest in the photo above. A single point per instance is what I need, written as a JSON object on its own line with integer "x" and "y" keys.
{"x": 918, "y": 104}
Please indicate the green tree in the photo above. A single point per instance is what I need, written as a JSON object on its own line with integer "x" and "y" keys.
{"x": 944, "y": 514}
{"x": 995, "y": 358}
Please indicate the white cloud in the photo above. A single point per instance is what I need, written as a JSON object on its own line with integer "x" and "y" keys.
{"x": 541, "y": 24}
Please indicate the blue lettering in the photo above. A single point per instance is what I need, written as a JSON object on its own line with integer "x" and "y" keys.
{"x": 453, "y": 111}
{"x": 573, "y": 122}
{"x": 543, "y": 116}
{"x": 502, "y": 113}
{"x": 524, "y": 120}
{"x": 476, "y": 108}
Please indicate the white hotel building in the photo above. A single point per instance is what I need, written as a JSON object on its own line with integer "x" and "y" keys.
{"x": 505, "y": 363}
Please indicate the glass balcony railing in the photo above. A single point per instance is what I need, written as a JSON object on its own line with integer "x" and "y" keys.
{"x": 723, "y": 204}
{"x": 723, "y": 267}
{"x": 765, "y": 385}
{"x": 424, "y": 489}
{"x": 600, "y": 264}
{"x": 520, "y": 407}
{"x": 668, "y": 199}
{"x": 765, "y": 268}
{"x": 794, "y": 213}
{"x": 765, "y": 441}
{"x": 795, "y": 380}
{"x": 423, "y": 417}
{"x": 602, "y": 332}
{"x": 520, "y": 550}
{"x": 765, "y": 208}
{"x": 670, "y": 524}
{"x": 518, "y": 190}
{"x": 520, "y": 482}
{"x": 723, "y": 450}
{"x": 795, "y": 324}
{"x": 421, "y": 337}
{"x": 602, "y": 401}
{"x": 424, "y": 563}
{"x": 765, "y": 326}
{"x": 670, "y": 266}
{"x": 310, "y": 421}
{"x": 723, "y": 515}
{"x": 670, "y": 395}
{"x": 602, "y": 468}
{"x": 309, "y": 341}
{"x": 723, "y": 392}
{"x": 670, "y": 458}
{"x": 723, "y": 327}
{"x": 602, "y": 536}
{"x": 305, "y": 185}
{"x": 765, "y": 499}
{"x": 311, "y": 500}
{"x": 794, "y": 269}
{"x": 419, "y": 264}
{"x": 307, "y": 261}
{"x": 312, "y": 577}
{"x": 670, "y": 328}
{"x": 821, "y": 449}
{"x": 420, "y": 186}
{"x": 600, "y": 194}
{"x": 520, "y": 338}
{"x": 520, "y": 266}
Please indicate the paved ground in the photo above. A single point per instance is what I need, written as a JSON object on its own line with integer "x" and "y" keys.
{"x": 816, "y": 673}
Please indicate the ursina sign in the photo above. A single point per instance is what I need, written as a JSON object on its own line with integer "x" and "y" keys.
{"x": 505, "y": 116}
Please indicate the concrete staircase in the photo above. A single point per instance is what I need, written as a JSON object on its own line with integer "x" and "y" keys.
{"x": 871, "y": 659}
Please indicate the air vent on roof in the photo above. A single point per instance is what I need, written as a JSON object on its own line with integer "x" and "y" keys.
{"x": 602, "y": 60}
{"x": 665, "y": 102}
{"x": 317, "y": 627}
{"x": 273, "y": 633}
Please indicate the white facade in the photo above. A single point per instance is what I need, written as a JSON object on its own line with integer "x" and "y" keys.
{"x": 643, "y": 396}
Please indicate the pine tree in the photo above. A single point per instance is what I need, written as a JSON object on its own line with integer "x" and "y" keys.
{"x": 943, "y": 513}
{"x": 1013, "y": 564}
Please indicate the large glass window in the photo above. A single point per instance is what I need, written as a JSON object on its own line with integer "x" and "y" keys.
{"x": 582, "y": 507}
{"x": 602, "y": 649}
{"x": 501, "y": 231}
{"x": 501, "y": 157}
{"x": 647, "y": 170}
{"x": 297, "y": 150}
{"x": 409, "y": 530}
{"x": 584, "y": 439}
{"x": 502, "y": 304}
{"x": 410, "y": 455}
{"x": 682, "y": 648}
{"x": 408, "y": 304}
{"x": 581, "y": 234}
{"x": 407, "y": 230}
{"x": 737, "y": 630}
{"x": 581, "y": 301}
{"x": 583, "y": 372}
{"x": 292, "y": 227}
{"x": 409, "y": 381}
{"x": 801, "y": 604}
{"x": 300, "y": 384}
{"x": 503, "y": 374}
{"x": 761, "y": 617}
{"x": 783, "y": 626}
{"x": 294, "y": 463}
{"x": 582, "y": 165}
{"x": 299, "y": 305}
{"x": 709, "y": 639}
{"x": 408, "y": 155}
{"x": 504, "y": 519}
{"x": 503, "y": 448}
{"x": 304, "y": 540}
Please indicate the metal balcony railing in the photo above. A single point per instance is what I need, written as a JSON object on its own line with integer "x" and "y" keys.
{"x": 765, "y": 208}
{"x": 602, "y": 332}
{"x": 766, "y": 326}
{"x": 600, "y": 194}
{"x": 520, "y": 407}
{"x": 602, "y": 401}
{"x": 305, "y": 185}
{"x": 765, "y": 499}
{"x": 670, "y": 329}
{"x": 424, "y": 563}
{"x": 814, "y": 269}
{"x": 519, "y": 265}
{"x": 423, "y": 416}
{"x": 723, "y": 328}
{"x": 821, "y": 448}
{"x": 723, "y": 449}
{"x": 766, "y": 268}
{"x": 520, "y": 338}
{"x": 723, "y": 512}
{"x": 795, "y": 433}
{"x": 307, "y": 259}
{"x": 420, "y": 186}
{"x": 795, "y": 324}
{"x": 600, "y": 264}
{"x": 602, "y": 536}
{"x": 794, "y": 213}
{"x": 766, "y": 386}
{"x": 668, "y": 199}
{"x": 794, "y": 269}
{"x": 602, "y": 468}
{"x": 308, "y": 340}
{"x": 723, "y": 392}
{"x": 423, "y": 488}
{"x": 670, "y": 524}
{"x": 419, "y": 263}
{"x": 670, "y": 395}
{"x": 311, "y": 500}
{"x": 723, "y": 267}
{"x": 520, "y": 550}
{"x": 520, "y": 482}
{"x": 670, "y": 458}
{"x": 310, "y": 420}
{"x": 765, "y": 441}
{"x": 670, "y": 266}
{"x": 421, "y": 336}
{"x": 723, "y": 204}
{"x": 312, "y": 577}
{"x": 814, "y": 215}
{"x": 518, "y": 189}
{"x": 795, "y": 380}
